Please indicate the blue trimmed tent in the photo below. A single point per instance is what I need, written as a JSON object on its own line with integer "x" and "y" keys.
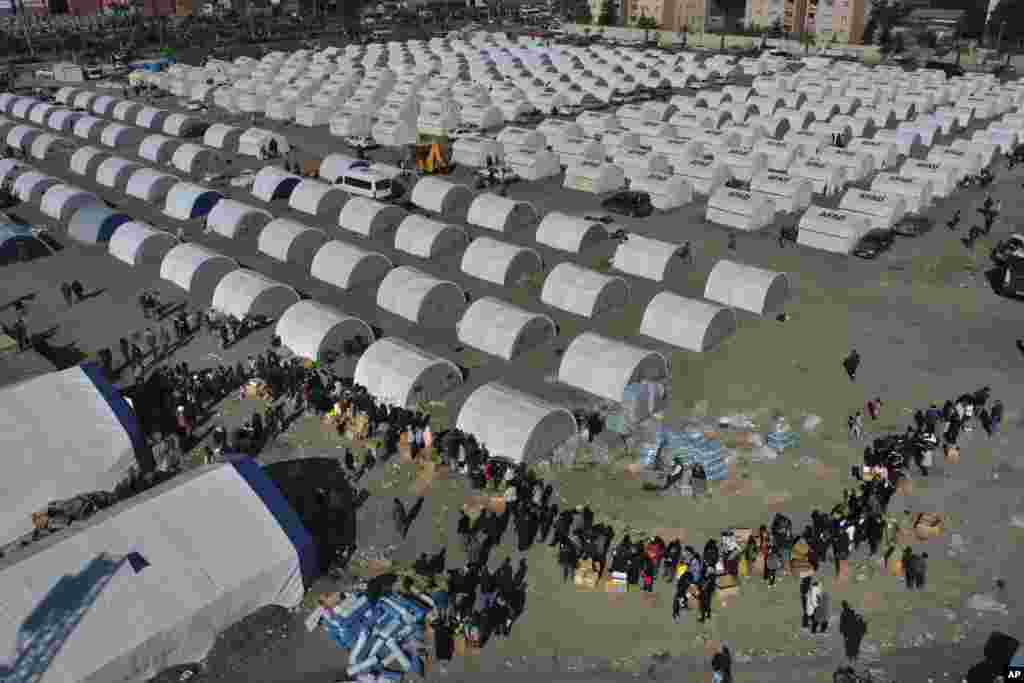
{"x": 95, "y": 224}
{"x": 17, "y": 240}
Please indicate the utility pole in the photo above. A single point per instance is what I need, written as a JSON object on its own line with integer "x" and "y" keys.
{"x": 24, "y": 27}
{"x": 999, "y": 42}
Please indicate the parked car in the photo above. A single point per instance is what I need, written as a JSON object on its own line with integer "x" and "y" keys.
{"x": 951, "y": 70}
{"x": 1010, "y": 278}
{"x": 1011, "y": 247}
{"x": 913, "y": 226}
{"x": 629, "y": 203}
{"x": 874, "y": 244}
{"x": 361, "y": 142}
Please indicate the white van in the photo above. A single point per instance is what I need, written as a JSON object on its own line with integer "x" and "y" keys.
{"x": 366, "y": 183}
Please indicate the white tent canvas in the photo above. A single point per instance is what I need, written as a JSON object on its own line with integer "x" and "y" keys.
{"x": 883, "y": 210}
{"x": 738, "y": 209}
{"x": 832, "y": 230}
{"x": 749, "y": 288}
{"x": 400, "y": 373}
{"x": 787, "y": 193}
{"x": 688, "y": 324}
{"x": 604, "y": 367}
{"x": 916, "y": 193}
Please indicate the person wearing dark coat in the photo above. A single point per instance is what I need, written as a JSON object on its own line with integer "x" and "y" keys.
{"x": 524, "y": 527}
{"x": 707, "y": 591}
{"x": 921, "y": 571}
{"x": 465, "y": 529}
{"x": 520, "y": 576}
{"x": 444, "y": 640}
{"x": 350, "y": 460}
{"x": 505, "y": 576}
{"x": 853, "y": 629}
{"x": 398, "y": 515}
{"x": 547, "y": 520}
{"x": 562, "y": 527}
{"x": 588, "y": 519}
{"x": 545, "y": 497}
{"x": 851, "y": 363}
{"x": 411, "y": 516}
{"x": 567, "y": 558}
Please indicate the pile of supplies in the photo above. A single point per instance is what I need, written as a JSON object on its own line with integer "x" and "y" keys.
{"x": 782, "y": 437}
{"x": 691, "y": 447}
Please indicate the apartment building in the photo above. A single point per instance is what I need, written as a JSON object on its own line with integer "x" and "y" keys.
{"x": 696, "y": 15}
{"x": 849, "y": 18}
{"x": 766, "y": 13}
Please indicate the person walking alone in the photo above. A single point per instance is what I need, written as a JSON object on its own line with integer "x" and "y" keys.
{"x": 851, "y": 364}
{"x": 65, "y": 291}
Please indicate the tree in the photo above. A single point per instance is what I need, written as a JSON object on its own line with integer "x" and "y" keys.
{"x": 808, "y": 40}
{"x": 648, "y": 24}
{"x": 607, "y": 15}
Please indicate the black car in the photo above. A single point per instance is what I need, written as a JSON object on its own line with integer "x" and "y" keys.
{"x": 629, "y": 203}
{"x": 913, "y": 226}
{"x": 874, "y": 244}
{"x": 951, "y": 70}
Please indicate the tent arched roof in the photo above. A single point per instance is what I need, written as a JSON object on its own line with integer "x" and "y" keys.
{"x": 604, "y": 367}
{"x": 193, "y": 587}
{"x": 273, "y": 182}
{"x": 151, "y": 118}
{"x": 61, "y": 201}
{"x": 158, "y": 148}
{"x": 63, "y": 120}
{"x": 582, "y": 291}
{"x": 22, "y": 136}
{"x": 48, "y": 145}
{"x": 10, "y": 169}
{"x": 369, "y": 218}
{"x": 182, "y": 125}
{"x": 186, "y": 201}
{"x": 421, "y": 298}
{"x": 88, "y": 127}
{"x": 196, "y": 269}
{"x": 649, "y": 258}
{"x": 87, "y": 159}
{"x": 246, "y": 292}
{"x": 311, "y": 329}
{"x": 230, "y": 218}
{"x": 569, "y": 233}
{"x": 94, "y": 224}
{"x": 395, "y": 371}
{"x": 503, "y": 329}
{"x": 748, "y": 288}
{"x": 317, "y": 199}
{"x": 427, "y": 238}
{"x": 138, "y": 244}
{"x": 195, "y": 159}
{"x": 689, "y": 324}
{"x": 103, "y": 104}
{"x": 514, "y": 425}
{"x": 290, "y": 241}
{"x": 150, "y": 185}
{"x": 347, "y": 266}
{"x": 126, "y": 111}
{"x": 501, "y": 214}
{"x": 499, "y": 262}
{"x": 30, "y": 186}
{"x": 448, "y": 199}
{"x": 118, "y": 135}
{"x": 115, "y": 172}
{"x": 222, "y": 136}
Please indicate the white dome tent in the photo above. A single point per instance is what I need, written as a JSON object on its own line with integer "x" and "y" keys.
{"x": 667, "y": 192}
{"x": 826, "y": 179}
{"x": 396, "y": 372}
{"x": 151, "y": 118}
{"x": 60, "y": 202}
{"x": 196, "y": 270}
{"x": 883, "y": 210}
{"x": 477, "y": 152}
{"x": 10, "y": 169}
{"x": 705, "y": 175}
{"x": 421, "y": 298}
{"x": 748, "y": 288}
{"x": 290, "y": 242}
{"x": 883, "y": 153}
{"x": 21, "y": 137}
{"x": 273, "y": 182}
{"x": 86, "y": 160}
{"x": 738, "y": 209}
{"x": 150, "y": 185}
{"x": 500, "y": 263}
{"x": 223, "y": 137}
{"x": 140, "y": 244}
{"x": 118, "y": 135}
{"x": 916, "y": 193}
{"x": 233, "y": 219}
{"x": 346, "y": 123}
{"x": 315, "y": 331}
{"x": 569, "y": 233}
{"x": 482, "y": 116}
{"x": 788, "y": 194}
{"x": 317, "y": 199}
{"x": 196, "y": 160}
{"x": 743, "y": 162}
{"x": 685, "y": 323}
{"x": 583, "y": 292}
{"x": 640, "y": 161}
{"x": 186, "y": 201}
{"x": 832, "y": 230}
{"x": 605, "y": 367}
{"x": 442, "y": 197}
{"x": 183, "y": 126}
{"x": 650, "y": 259}
{"x": 369, "y": 218}
{"x": 115, "y": 172}
{"x": 515, "y": 426}
{"x": 514, "y": 139}
{"x": 49, "y": 146}
{"x": 126, "y": 111}
{"x": 246, "y": 292}
{"x": 594, "y": 177}
{"x": 572, "y": 150}
{"x": 533, "y": 165}
{"x": 856, "y": 165}
{"x": 347, "y": 266}
{"x": 427, "y": 238}
{"x": 942, "y": 176}
{"x": 395, "y": 133}
{"x": 63, "y": 120}
{"x": 502, "y": 329}
{"x": 30, "y": 186}
{"x": 501, "y": 214}
{"x": 334, "y": 167}
{"x": 158, "y": 148}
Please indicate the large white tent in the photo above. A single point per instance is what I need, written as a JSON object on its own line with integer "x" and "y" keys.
{"x": 749, "y": 288}
{"x": 421, "y": 298}
{"x": 31, "y": 185}
{"x": 604, "y": 367}
{"x": 315, "y": 331}
{"x": 223, "y": 137}
{"x": 262, "y": 143}
{"x": 515, "y": 426}
{"x": 196, "y": 269}
{"x": 787, "y": 193}
{"x": 395, "y": 371}
{"x": 115, "y": 172}
{"x": 273, "y": 182}
{"x": 290, "y": 242}
{"x": 196, "y": 159}
{"x": 584, "y": 292}
{"x": 370, "y": 218}
{"x": 477, "y": 152}
{"x": 61, "y": 201}
{"x": 501, "y": 214}
{"x": 139, "y": 244}
{"x": 98, "y": 442}
{"x": 666, "y": 191}
{"x": 503, "y": 329}
{"x": 650, "y": 259}
{"x": 347, "y": 266}
{"x": 428, "y": 238}
{"x": 594, "y": 177}
{"x": 499, "y": 262}
{"x": 882, "y": 210}
{"x": 831, "y": 230}
{"x": 942, "y": 176}
{"x": 119, "y": 135}
{"x": 916, "y": 193}
{"x": 186, "y": 201}
{"x": 86, "y": 160}
{"x": 150, "y": 185}
{"x": 705, "y": 175}
{"x": 230, "y": 218}
{"x": 738, "y": 209}
{"x": 317, "y": 199}
{"x": 569, "y": 233}
{"x": 158, "y": 148}
{"x": 448, "y": 199}
{"x": 246, "y": 292}
{"x": 826, "y": 178}
{"x": 685, "y": 323}
{"x": 150, "y": 583}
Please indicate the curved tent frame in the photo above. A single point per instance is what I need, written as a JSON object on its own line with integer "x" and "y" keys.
{"x": 61, "y": 201}
{"x": 117, "y": 135}
{"x": 428, "y": 238}
{"x": 501, "y": 214}
{"x": 186, "y": 201}
{"x": 115, "y": 172}
{"x": 22, "y": 136}
{"x": 245, "y": 292}
{"x": 317, "y": 199}
{"x": 150, "y": 185}
{"x": 347, "y": 266}
{"x": 126, "y": 111}
{"x": 569, "y": 233}
{"x": 370, "y": 218}
{"x": 86, "y": 160}
{"x": 223, "y": 137}
{"x": 273, "y": 182}
{"x": 503, "y": 329}
{"x": 140, "y": 244}
{"x": 196, "y": 160}
{"x": 290, "y": 242}
{"x": 685, "y": 323}
{"x": 749, "y": 288}
{"x": 63, "y": 120}
{"x": 396, "y": 372}
{"x": 421, "y": 298}
{"x": 158, "y": 148}
{"x": 95, "y": 224}
{"x": 89, "y": 128}
{"x": 605, "y": 367}
{"x": 151, "y": 118}
{"x": 233, "y": 219}
{"x": 196, "y": 269}
{"x": 31, "y": 185}
{"x": 583, "y": 292}
{"x": 315, "y": 331}
{"x": 500, "y": 263}
{"x": 650, "y": 259}
{"x": 438, "y": 196}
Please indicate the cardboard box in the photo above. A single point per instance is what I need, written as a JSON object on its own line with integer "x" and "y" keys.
{"x": 726, "y": 582}
{"x": 586, "y": 578}
{"x": 952, "y": 454}
{"x": 928, "y": 525}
